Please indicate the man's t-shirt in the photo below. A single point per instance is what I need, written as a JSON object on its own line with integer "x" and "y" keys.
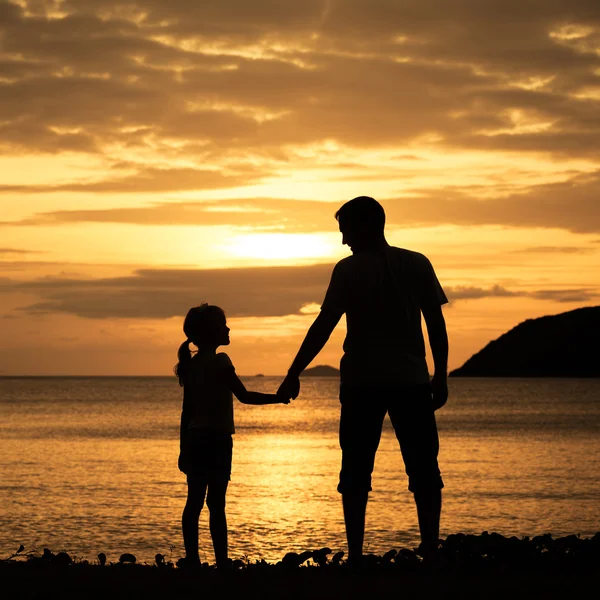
{"x": 207, "y": 398}
{"x": 382, "y": 293}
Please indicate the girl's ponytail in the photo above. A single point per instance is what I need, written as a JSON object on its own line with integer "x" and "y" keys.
{"x": 182, "y": 368}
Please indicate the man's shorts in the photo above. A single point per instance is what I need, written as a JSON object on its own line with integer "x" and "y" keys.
{"x": 206, "y": 454}
{"x": 411, "y": 412}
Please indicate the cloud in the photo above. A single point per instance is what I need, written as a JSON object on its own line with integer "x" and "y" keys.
{"x": 242, "y": 292}
{"x": 260, "y": 213}
{"x": 573, "y": 295}
{"x": 149, "y": 179}
{"x": 570, "y": 205}
{"x": 476, "y": 293}
{"x": 555, "y": 250}
{"x": 496, "y": 291}
{"x": 160, "y": 294}
{"x": 79, "y": 75}
{"x": 9, "y": 251}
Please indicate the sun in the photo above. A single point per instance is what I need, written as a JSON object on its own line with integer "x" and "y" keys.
{"x": 280, "y": 246}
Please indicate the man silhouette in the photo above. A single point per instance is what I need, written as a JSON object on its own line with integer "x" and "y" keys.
{"x": 383, "y": 290}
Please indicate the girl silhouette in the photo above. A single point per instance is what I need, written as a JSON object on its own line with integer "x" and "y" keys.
{"x": 208, "y": 379}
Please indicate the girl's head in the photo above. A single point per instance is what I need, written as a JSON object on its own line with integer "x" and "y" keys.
{"x": 205, "y": 326}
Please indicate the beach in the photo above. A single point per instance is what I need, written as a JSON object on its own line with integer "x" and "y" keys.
{"x": 485, "y": 566}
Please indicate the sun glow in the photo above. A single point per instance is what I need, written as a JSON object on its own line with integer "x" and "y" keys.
{"x": 280, "y": 246}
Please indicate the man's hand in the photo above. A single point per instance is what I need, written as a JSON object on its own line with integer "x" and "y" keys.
{"x": 439, "y": 391}
{"x": 281, "y": 399}
{"x": 290, "y": 387}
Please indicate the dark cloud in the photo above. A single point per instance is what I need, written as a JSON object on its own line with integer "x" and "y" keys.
{"x": 160, "y": 294}
{"x": 247, "y": 292}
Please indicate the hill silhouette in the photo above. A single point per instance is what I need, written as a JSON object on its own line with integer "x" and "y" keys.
{"x": 321, "y": 371}
{"x": 563, "y": 345}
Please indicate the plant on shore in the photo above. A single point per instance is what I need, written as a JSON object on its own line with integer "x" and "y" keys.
{"x": 457, "y": 552}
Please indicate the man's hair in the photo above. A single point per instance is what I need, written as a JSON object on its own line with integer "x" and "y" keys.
{"x": 364, "y": 213}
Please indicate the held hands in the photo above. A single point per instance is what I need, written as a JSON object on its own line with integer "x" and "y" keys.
{"x": 439, "y": 391}
{"x": 289, "y": 388}
{"x": 281, "y": 399}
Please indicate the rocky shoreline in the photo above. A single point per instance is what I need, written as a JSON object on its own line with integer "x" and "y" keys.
{"x": 468, "y": 566}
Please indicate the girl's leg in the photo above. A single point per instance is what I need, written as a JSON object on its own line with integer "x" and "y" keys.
{"x": 215, "y": 501}
{"x": 191, "y": 515}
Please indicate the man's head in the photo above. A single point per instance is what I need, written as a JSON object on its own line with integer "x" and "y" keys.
{"x": 362, "y": 223}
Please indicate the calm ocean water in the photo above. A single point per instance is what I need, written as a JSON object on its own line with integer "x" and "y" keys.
{"x": 90, "y": 465}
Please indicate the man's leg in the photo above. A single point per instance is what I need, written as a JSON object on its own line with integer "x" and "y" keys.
{"x": 413, "y": 418}
{"x": 429, "y": 508}
{"x": 360, "y": 430}
{"x": 355, "y": 509}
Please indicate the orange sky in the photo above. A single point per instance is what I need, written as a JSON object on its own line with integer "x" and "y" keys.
{"x": 154, "y": 155}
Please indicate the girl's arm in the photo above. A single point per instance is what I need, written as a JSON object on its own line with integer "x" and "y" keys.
{"x": 246, "y": 397}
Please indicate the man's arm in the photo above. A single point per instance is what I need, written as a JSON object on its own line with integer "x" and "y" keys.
{"x": 438, "y": 340}
{"x": 316, "y": 337}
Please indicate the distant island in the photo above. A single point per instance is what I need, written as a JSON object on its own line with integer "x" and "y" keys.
{"x": 563, "y": 345}
{"x": 321, "y": 371}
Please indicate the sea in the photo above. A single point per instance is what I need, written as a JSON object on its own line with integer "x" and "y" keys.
{"x": 89, "y": 465}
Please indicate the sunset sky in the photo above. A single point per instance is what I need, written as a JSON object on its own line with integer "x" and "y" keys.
{"x": 157, "y": 154}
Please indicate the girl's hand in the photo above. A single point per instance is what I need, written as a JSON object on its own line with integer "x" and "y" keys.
{"x": 281, "y": 399}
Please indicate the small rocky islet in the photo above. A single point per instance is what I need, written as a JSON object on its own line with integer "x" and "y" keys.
{"x": 562, "y": 345}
